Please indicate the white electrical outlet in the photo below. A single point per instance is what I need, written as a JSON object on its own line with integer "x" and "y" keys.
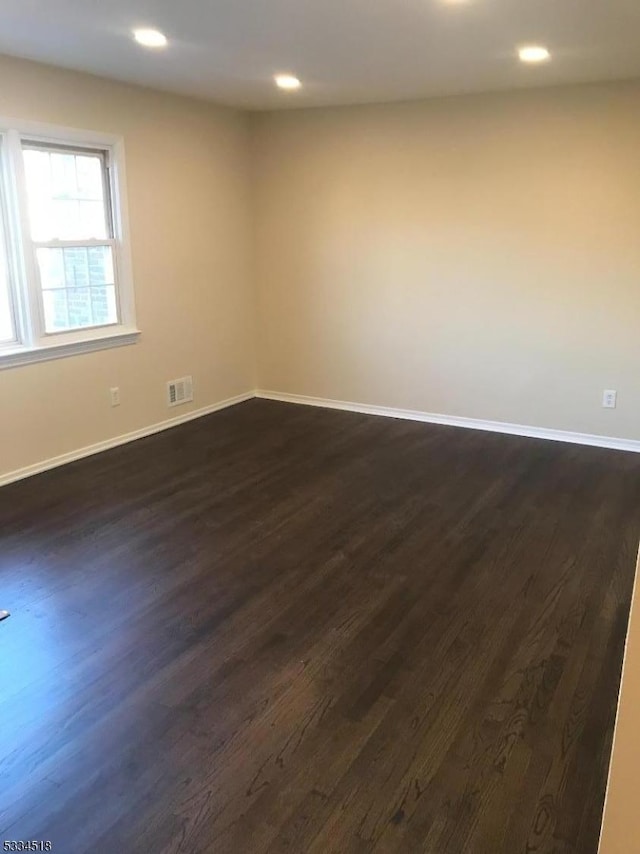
{"x": 115, "y": 396}
{"x": 609, "y": 398}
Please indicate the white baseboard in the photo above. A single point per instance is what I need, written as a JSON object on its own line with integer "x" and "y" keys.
{"x": 458, "y": 421}
{"x": 386, "y": 411}
{"x": 89, "y": 450}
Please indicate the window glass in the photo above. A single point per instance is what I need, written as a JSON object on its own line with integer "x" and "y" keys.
{"x": 78, "y": 287}
{"x": 6, "y": 317}
{"x": 66, "y": 195}
{"x": 7, "y": 331}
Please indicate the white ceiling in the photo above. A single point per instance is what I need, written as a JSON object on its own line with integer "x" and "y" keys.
{"x": 345, "y": 51}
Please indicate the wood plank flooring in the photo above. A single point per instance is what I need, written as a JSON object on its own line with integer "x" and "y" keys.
{"x": 284, "y": 629}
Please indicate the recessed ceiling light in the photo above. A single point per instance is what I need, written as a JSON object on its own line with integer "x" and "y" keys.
{"x": 287, "y": 81}
{"x": 150, "y": 38}
{"x": 534, "y": 53}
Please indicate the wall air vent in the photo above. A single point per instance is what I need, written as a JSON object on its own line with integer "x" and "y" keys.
{"x": 179, "y": 391}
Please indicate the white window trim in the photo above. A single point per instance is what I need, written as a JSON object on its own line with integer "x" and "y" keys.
{"x": 36, "y": 345}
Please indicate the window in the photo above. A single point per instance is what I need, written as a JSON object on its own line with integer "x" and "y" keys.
{"x": 65, "y": 282}
{"x": 7, "y": 321}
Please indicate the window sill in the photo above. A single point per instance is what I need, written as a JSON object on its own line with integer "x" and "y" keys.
{"x": 13, "y": 358}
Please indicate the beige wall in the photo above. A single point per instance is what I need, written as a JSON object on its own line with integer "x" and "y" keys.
{"x": 621, "y": 826}
{"x": 474, "y": 256}
{"x": 189, "y": 199}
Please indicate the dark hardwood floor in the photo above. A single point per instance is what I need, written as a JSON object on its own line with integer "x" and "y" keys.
{"x": 280, "y": 628}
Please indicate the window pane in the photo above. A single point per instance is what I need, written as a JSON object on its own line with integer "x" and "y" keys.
{"x": 6, "y": 317}
{"x": 66, "y": 195}
{"x": 7, "y": 332}
{"x": 55, "y": 310}
{"x": 78, "y": 287}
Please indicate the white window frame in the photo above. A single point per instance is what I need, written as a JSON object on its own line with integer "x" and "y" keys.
{"x": 33, "y": 343}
